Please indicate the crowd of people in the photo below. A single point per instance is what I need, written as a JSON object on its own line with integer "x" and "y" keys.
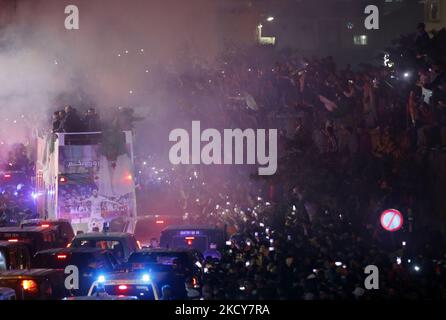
{"x": 352, "y": 144}
{"x": 70, "y": 120}
{"x": 16, "y": 188}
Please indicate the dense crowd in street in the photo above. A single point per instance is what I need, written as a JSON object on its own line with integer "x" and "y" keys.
{"x": 360, "y": 142}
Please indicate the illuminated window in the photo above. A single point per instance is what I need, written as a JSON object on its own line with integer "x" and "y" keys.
{"x": 433, "y": 10}
{"x": 360, "y": 40}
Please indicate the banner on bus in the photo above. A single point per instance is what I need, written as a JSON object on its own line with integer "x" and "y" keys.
{"x": 93, "y": 190}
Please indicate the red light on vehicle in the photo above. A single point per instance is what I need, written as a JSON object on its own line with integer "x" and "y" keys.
{"x": 129, "y": 177}
{"x": 13, "y": 240}
{"x": 7, "y": 175}
{"x": 45, "y": 225}
{"x": 190, "y": 238}
{"x": 159, "y": 221}
{"x": 62, "y": 179}
{"x": 29, "y": 285}
{"x": 139, "y": 244}
{"x": 137, "y": 266}
{"x": 61, "y": 256}
{"x": 122, "y": 287}
{"x": 194, "y": 281}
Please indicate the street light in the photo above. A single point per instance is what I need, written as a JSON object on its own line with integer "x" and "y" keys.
{"x": 269, "y": 19}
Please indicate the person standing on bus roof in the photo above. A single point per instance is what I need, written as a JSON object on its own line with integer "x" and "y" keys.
{"x": 71, "y": 122}
{"x": 91, "y": 121}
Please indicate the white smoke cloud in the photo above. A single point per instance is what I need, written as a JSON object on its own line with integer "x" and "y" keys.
{"x": 111, "y": 61}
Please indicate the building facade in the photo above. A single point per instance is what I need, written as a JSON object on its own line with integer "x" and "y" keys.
{"x": 435, "y": 14}
{"x": 321, "y": 27}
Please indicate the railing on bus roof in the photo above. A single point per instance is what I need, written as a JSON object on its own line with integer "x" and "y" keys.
{"x": 81, "y": 138}
{"x": 85, "y": 132}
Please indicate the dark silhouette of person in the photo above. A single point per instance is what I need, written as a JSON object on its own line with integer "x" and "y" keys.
{"x": 71, "y": 122}
{"x": 422, "y": 40}
{"x": 91, "y": 121}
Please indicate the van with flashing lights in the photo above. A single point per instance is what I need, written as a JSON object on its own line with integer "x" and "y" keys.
{"x": 170, "y": 266}
{"x": 132, "y": 284}
{"x": 35, "y": 238}
{"x": 192, "y": 237}
{"x": 35, "y": 284}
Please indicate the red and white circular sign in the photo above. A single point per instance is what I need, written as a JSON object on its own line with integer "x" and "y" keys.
{"x": 391, "y": 220}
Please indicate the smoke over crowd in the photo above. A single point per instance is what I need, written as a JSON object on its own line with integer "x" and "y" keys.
{"x": 112, "y": 60}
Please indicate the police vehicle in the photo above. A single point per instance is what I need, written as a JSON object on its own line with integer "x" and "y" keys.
{"x": 126, "y": 284}
{"x": 170, "y": 266}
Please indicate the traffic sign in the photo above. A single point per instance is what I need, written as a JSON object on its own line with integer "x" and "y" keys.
{"x": 391, "y": 220}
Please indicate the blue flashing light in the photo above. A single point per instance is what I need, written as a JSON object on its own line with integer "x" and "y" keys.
{"x": 146, "y": 278}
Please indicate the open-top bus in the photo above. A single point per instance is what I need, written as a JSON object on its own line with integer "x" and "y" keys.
{"x": 79, "y": 181}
